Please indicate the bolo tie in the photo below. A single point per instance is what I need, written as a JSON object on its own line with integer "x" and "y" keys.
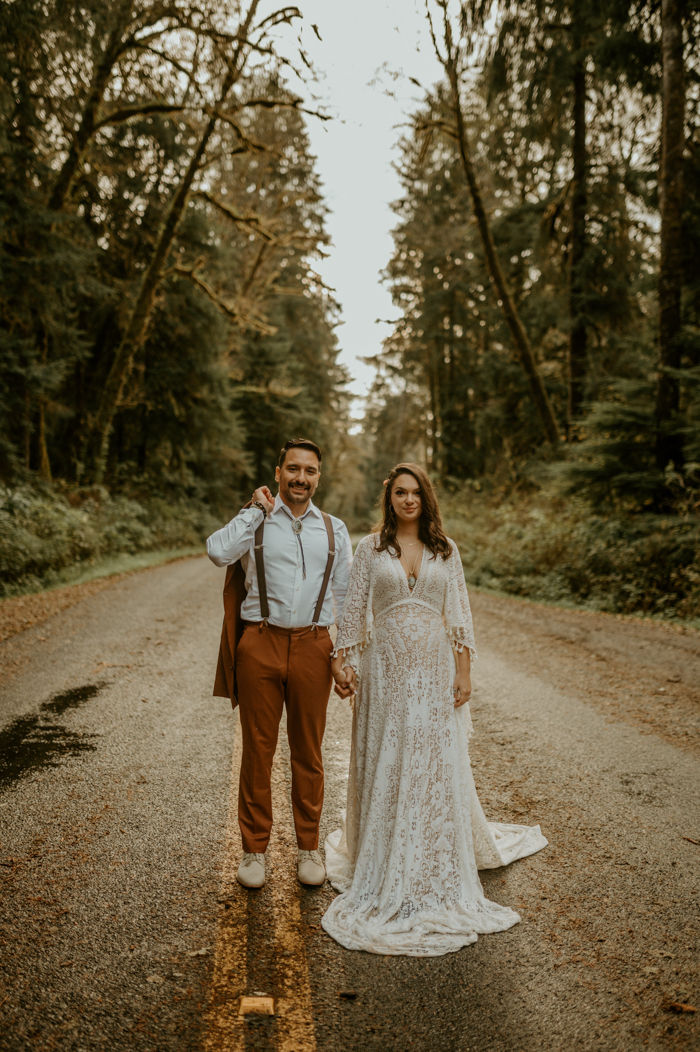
{"x": 298, "y": 526}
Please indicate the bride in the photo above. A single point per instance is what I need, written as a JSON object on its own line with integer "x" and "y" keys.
{"x": 414, "y": 834}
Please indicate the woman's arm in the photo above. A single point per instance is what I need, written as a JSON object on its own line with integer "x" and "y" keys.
{"x": 462, "y": 686}
{"x": 352, "y": 630}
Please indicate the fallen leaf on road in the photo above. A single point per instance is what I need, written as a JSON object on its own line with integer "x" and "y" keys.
{"x": 198, "y": 953}
{"x": 679, "y": 1006}
{"x": 259, "y": 1005}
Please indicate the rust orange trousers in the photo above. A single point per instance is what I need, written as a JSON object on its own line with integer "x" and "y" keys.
{"x": 277, "y": 667}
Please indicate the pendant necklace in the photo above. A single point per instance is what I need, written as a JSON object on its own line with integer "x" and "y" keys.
{"x": 412, "y": 573}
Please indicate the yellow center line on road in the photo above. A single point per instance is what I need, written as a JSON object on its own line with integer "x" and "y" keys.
{"x": 289, "y": 981}
{"x": 225, "y": 1030}
{"x": 296, "y": 1025}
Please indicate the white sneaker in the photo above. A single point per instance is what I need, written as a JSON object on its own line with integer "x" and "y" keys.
{"x": 310, "y": 867}
{"x": 251, "y": 872}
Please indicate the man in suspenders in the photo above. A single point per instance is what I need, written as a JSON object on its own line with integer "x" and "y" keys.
{"x": 296, "y": 561}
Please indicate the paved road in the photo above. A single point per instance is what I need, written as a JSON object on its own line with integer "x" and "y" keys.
{"x": 122, "y": 924}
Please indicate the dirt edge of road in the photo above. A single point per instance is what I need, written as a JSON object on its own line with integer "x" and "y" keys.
{"x": 21, "y": 612}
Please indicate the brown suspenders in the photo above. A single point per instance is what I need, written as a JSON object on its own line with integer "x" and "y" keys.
{"x": 260, "y": 570}
{"x": 329, "y": 567}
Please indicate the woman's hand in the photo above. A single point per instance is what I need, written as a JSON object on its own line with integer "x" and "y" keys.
{"x": 345, "y": 682}
{"x": 462, "y": 688}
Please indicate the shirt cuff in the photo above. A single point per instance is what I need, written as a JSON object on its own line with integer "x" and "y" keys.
{"x": 250, "y": 515}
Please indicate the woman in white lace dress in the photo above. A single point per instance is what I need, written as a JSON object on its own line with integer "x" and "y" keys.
{"x": 414, "y": 836}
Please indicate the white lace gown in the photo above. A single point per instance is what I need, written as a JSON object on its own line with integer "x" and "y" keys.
{"x": 406, "y": 857}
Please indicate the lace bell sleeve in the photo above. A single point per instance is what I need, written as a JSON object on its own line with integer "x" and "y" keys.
{"x": 458, "y": 614}
{"x": 356, "y": 624}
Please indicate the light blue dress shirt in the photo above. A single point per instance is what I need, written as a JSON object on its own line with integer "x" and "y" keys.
{"x": 292, "y": 597}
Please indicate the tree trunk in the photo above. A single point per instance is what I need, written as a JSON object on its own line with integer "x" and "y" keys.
{"x": 510, "y": 312}
{"x": 137, "y": 325}
{"x": 669, "y": 443}
{"x": 86, "y": 129}
{"x": 433, "y": 459}
{"x": 44, "y": 462}
{"x": 27, "y": 430}
{"x": 579, "y": 201}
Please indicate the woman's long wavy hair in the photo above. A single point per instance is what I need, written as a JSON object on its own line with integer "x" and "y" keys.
{"x": 430, "y": 530}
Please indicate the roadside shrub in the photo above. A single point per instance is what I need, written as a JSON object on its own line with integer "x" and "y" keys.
{"x": 556, "y": 551}
{"x": 44, "y": 531}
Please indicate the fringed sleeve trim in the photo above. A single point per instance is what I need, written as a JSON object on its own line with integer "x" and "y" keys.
{"x": 460, "y": 640}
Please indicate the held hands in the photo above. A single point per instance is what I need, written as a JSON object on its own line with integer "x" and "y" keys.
{"x": 265, "y": 497}
{"x": 462, "y": 688}
{"x": 346, "y": 682}
{"x": 345, "y": 678}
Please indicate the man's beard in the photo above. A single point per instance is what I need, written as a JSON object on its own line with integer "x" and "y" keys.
{"x": 299, "y": 495}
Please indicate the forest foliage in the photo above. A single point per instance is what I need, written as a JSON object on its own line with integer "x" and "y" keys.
{"x": 550, "y": 207}
{"x": 164, "y": 326}
{"x": 563, "y": 104}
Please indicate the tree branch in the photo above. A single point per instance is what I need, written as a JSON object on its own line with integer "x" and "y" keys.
{"x": 233, "y": 311}
{"x": 251, "y": 144}
{"x": 119, "y": 116}
{"x": 166, "y": 58}
{"x": 293, "y": 104}
{"x": 249, "y": 219}
{"x": 284, "y": 14}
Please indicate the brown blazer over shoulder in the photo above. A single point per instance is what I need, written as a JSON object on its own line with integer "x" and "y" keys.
{"x": 234, "y": 594}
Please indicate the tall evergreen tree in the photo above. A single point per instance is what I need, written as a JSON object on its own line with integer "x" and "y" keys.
{"x": 669, "y": 441}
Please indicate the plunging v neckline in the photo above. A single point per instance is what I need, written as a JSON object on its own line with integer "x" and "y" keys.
{"x": 405, "y": 576}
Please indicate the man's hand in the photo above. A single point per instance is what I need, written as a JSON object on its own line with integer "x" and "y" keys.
{"x": 345, "y": 682}
{"x": 263, "y": 494}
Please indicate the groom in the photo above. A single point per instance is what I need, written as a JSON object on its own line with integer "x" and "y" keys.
{"x": 296, "y": 561}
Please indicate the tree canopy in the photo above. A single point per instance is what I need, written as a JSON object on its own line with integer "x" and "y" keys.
{"x": 573, "y": 126}
{"x": 162, "y": 322}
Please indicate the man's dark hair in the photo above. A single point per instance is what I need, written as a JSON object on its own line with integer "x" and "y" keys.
{"x": 300, "y": 443}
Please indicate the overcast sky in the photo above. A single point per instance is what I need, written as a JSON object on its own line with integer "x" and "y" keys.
{"x": 356, "y": 149}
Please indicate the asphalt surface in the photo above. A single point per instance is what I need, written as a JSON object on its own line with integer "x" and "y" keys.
{"x": 121, "y": 926}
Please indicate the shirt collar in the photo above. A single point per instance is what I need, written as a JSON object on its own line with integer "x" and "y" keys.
{"x": 279, "y": 503}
